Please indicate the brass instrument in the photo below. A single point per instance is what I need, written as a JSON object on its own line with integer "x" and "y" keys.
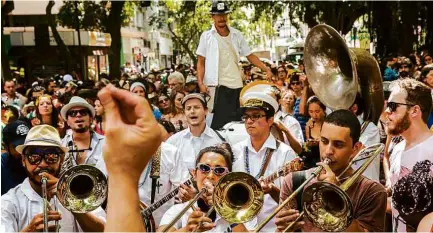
{"x": 81, "y": 188}
{"x": 44, "y": 182}
{"x": 237, "y": 198}
{"x": 331, "y": 65}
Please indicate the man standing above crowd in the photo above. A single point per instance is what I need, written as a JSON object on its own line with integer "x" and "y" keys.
{"x": 11, "y": 97}
{"x": 218, "y": 70}
{"x": 79, "y": 115}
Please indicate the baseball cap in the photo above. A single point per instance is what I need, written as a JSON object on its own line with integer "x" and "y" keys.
{"x": 15, "y": 133}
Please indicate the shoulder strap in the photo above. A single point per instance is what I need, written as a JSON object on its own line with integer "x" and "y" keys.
{"x": 298, "y": 178}
{"x": 364, "y": 126}
{"x": 268, "y": 155}
{"x": 220, "y": 136}
{"x": 155, "y": 172}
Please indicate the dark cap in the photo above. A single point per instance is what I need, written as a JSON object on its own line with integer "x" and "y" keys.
{"x": 219, "y": 8}
{"x": 15, "y": 133}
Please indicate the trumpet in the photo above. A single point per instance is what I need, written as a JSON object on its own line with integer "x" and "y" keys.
{"x": 46, "y": 208}
{"x": 326, "y": 205}
{"x": 237, "y": 198}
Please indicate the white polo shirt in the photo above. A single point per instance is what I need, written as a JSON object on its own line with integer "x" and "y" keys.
{"x": 369, "y": 137}
{"x": 292, "y": 125}
{"x": 189, "y": 146}
{"x": 281, "y": 155}
{"x": 208, "y": 48}
{"x": 22, "y": 203}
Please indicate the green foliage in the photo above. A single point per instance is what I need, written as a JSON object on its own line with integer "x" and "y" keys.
{"x": 92, "y": 15}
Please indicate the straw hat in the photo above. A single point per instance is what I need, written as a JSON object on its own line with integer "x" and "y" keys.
{"x": 76, "y": 102}
{"x": 42, "y": 135}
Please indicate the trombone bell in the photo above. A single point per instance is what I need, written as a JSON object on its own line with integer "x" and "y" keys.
{"x": 327, "y": 206}
{"x": 82, "y": 188}
{"x": 238, "y": 197}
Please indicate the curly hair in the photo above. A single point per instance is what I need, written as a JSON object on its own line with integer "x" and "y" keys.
{"x": 223, "y": 149}
{"x": 413, "y": 193}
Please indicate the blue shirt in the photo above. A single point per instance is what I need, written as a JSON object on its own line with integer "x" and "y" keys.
{"x": 301, "y": 119}
{"x": 12, "y": 171}
{"x": 389, "y": 74}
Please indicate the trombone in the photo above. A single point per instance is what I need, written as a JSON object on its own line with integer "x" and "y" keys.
{"x": 237, "y": 198}
{"x": 326, "y": 205}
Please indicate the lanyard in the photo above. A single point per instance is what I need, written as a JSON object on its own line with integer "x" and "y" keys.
{"x": 247, "y": 162}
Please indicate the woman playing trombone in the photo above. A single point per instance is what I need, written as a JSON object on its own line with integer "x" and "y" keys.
{"x": 211, "y": 164}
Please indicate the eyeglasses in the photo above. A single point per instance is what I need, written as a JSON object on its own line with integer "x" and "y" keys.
{"x": 82, "y": 112}
{"x": 219, "y": 171}
{"x": 394, "y": 105}
{"x": 50, "y": 156}
{"x": 252, "y": 117}
{"x": 295, "y": 83}
{"x": 162, "y": 101}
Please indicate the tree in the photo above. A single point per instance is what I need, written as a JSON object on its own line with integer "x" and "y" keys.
{"x": 7, "y": 7}
{"x": 105, "y": 16}
{"x": 64, "y": 51}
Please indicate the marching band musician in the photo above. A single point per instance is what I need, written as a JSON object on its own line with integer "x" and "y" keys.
{"x": 193, "y": 139}
{"x": 261, "y": 154}
{"x": 211, "y": 164}
{"x": 170, "y": 176}
{"x": 22, "y": 207}
{"x": 339, "y": 142}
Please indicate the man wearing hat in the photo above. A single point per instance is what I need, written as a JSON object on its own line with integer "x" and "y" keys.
{"x": 22, "y": 207}
{"x": 12, "y": 171}
{"x": 79, "y": 115}
{"x": 261, "y": 154}
{"x": 196, "y": 137}
{"x": 218, "y": 70}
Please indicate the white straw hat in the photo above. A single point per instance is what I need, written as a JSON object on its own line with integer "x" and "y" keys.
{"x": 76, "y": 102}
{"x": 42, "y": 135}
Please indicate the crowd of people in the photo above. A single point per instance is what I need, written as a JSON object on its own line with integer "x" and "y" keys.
{"x": 151, "y": 133}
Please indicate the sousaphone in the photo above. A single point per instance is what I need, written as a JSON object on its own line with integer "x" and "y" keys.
{"x": 337, "y": 73}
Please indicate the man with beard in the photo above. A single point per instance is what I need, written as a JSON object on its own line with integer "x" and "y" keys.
{"x": 218, "y": 71}
{"x": 408, "y": 108}
{"x": 193, "y": 139}
{"x": 404, "y": 69}
{"x": 22, "y": 206}
{"x": 50, "y": 86}
{"x": 79, "y": 114}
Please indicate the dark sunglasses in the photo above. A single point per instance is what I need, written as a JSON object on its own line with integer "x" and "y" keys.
{"x": 219, "y": 171}
{"x": 394, "y": 105}
{"x": 295, "y": 83}
{"x": 252, "y": 117}
{"x": 50, "y": 156}
{"x": 73, "y": 113}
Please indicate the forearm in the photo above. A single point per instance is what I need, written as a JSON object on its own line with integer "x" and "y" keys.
{"x": 253, "y": 59}
{"x": 200, "y": 69}
{"x": 89, "y": 222}
{"x": 296, "y": 146}
{"x": 123, "y": 205}
{"x": 275, "y": 193}
{"x": 303, "y": 103}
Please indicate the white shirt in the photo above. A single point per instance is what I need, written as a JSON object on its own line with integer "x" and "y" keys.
{"x": 22, "y": 203}
{"x": 208, "y": 48}
{"x": 94, "y": 155}
{"x": 369, "y": 137}
{"x": 170, "y": 178}
{"x": 280, "y": 156}
{"x": 401, "y": 164}
{"x": 189, "y": 146}
{"x": 292, "y": 125}
{"x": 221, "y": 224}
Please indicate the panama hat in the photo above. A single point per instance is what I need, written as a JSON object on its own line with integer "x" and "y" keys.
{"x": 42, "y": 135}
{"x": 76, "y": 102}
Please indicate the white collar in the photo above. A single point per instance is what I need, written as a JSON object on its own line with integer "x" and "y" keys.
{"x": 30, "y": 193}
{"x": 207, "y": 131}
{"x": 269, "y": 143}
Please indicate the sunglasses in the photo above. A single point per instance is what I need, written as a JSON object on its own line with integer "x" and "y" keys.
{"x": 295, "y": 83}
{"x": 82, "y": 112}
{"x": 50, "y": 156}
{"x": 162, "y": 101}
{"x": 394, "y": 105}
{"x": 252, "y": 117}
{"x": 219, "y": 171}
